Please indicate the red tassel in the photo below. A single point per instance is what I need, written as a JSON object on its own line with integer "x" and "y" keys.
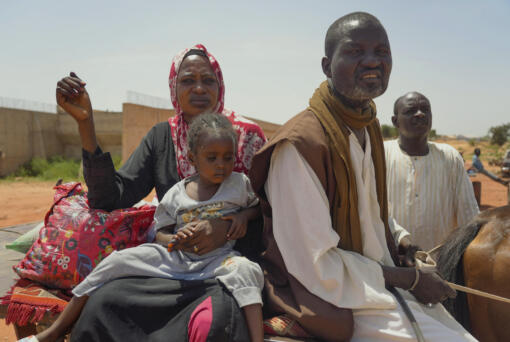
{"x": 38, "y": 315}
{"x": 21, "y": 314}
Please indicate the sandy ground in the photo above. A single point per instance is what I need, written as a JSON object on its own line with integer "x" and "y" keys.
{"x": 24, "y": 202}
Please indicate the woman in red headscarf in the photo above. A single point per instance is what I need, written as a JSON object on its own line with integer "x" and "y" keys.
{"x": 161, "y": 309}
{"x": 251, "y": 137}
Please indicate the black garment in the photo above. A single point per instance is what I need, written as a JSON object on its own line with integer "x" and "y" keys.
{"x": 153, "y": 309}
{"x": 152, "y": 164}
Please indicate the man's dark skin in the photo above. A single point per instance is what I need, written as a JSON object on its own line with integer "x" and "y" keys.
{"x": 358, "y": 65}
{"x": 413, "y": 119}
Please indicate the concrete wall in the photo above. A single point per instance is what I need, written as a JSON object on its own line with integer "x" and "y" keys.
{"x": 138, "y": 120}
{"x": 108, "y": 133}
{"x": 24, "y": 135}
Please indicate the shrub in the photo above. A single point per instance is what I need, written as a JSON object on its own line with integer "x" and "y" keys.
{"x": 55, "y": 168}
{"x": 499, "y": 134}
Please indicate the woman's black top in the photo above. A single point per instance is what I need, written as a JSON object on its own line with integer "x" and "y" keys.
{"x": 152, "y": 164}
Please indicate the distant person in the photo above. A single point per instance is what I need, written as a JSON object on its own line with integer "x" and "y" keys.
{"x": 429, "y": 191}
{"x": 477, "y": 165}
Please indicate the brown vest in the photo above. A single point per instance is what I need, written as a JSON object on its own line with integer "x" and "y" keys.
{"x": 285, "y": 293}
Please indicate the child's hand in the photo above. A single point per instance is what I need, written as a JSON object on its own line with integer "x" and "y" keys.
{"x": 238, "y": 227}
{"x": 184, "y": 234}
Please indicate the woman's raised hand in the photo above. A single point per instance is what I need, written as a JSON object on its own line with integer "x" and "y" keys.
{"x": 73, "y": 98}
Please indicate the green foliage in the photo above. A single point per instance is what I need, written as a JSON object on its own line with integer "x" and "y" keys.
{"x": 388, "y": 131}
{"x": 472, "y": 142}
{"x": 49, "y": 169}
{"x": 117, "y": 161}
{"x": 499, "y": 134}
{"x": 432, "y": 134}
{"x": 55, "y": 168}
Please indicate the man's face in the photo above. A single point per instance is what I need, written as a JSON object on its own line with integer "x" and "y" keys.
{"x": 360, "y": 65}
{"x": 414, "y": 116}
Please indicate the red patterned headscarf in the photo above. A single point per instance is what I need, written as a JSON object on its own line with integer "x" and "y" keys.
{"x": 250, "y": 135}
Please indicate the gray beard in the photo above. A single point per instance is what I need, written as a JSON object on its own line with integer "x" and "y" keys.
{"x": 359, "y": 93}
{"x": 363, "y": 94}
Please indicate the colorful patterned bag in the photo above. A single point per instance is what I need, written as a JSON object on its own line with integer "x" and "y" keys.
{"x": 76, "y": 238}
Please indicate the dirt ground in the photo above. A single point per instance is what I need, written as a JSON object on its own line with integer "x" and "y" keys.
{"x": 24, "y": 202}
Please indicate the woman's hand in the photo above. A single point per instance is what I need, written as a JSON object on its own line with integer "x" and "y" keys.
{"x": 73, "y": 98}
{"x": 205, "y": 236}
{"x": 431, "y": 288}
{"x": 238, "y": 227}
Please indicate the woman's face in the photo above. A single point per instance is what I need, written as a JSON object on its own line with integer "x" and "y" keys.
{"x": 197, "y": 87}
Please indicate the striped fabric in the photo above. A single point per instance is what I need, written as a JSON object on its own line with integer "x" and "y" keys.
{"x": 428, "y": 195}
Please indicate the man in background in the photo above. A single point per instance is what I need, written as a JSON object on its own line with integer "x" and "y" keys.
{"x": 429, "y": 191}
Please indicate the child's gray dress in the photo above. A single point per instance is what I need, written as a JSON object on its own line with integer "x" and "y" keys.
{"x": 241, "y": 276}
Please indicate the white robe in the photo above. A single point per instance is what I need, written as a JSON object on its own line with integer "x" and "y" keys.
{"x": 430, "y": 195}
{"x": 342, "y": 278}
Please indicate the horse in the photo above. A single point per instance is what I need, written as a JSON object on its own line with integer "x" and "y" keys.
{"x": 477, "y": 255}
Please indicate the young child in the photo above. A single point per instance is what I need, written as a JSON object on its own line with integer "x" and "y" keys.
{"x": 215, "y": 192}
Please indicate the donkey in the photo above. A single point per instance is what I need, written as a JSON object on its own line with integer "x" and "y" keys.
{"x": 477, "y": 255}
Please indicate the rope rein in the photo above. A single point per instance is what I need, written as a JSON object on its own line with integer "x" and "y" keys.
{"x": 468, "y": 289}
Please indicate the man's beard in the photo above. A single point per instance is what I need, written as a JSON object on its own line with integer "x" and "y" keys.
{"x": 362, "y": 93}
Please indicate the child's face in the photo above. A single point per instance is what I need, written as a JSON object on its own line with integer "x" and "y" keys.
{"x": 214, "y": 159}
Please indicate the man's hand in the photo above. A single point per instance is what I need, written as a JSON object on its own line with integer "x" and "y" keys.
{"x": 238, "y": 227}
{"x": 73, "y": 98}
{"x": 205, "y": 236}
{"x": 431, "y": 288}
{"x": 406, "y": 252}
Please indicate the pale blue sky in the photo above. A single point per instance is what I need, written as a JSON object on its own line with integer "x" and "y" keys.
{"x": 455, "y": 52}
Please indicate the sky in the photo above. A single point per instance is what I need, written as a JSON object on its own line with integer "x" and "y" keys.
{"x": 454, "y": 52}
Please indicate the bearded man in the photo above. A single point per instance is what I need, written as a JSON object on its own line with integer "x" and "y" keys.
{"x": 331, "y": 249}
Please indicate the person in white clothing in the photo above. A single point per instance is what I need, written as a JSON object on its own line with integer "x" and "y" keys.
{"x": 330, "y": 248}
{"x": 429, "y": 191}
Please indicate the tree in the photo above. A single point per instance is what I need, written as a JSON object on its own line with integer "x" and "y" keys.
{"x": 499, "y": 134}
{"x": 388, "y": 131}
{"x": 432, "y": 134}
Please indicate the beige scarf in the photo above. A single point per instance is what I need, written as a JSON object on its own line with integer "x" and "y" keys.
{"x": 335, "y": 117}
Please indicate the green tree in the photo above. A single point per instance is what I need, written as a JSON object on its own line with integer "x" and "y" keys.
{"x": 388, "y": 131}
{"x": 432, "y": 134}
{"x": 499, "y": 134}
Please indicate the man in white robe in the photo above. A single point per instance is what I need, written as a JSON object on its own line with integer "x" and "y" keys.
{"x": 302, "y": 246}
{"x": 429, "y": 191}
